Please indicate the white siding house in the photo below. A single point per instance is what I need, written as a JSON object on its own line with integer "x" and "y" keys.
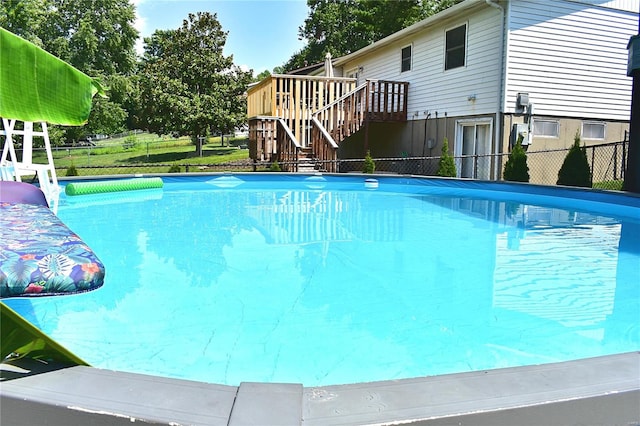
{"x": 466, "y": 66}
{"x": 571, "y": 58}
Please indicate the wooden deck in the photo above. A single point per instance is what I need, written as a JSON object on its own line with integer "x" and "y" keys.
{"x": 294, "y": 119}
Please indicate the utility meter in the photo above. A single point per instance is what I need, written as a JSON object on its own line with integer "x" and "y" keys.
{"x": 522, "y": 130}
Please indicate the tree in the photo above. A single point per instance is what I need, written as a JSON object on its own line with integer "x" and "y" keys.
{"x": 187, "y": 86}
{"x": 446, "y": 166}
{"x": 516, "y": 169}
{"x": 344, "y": 26}
{"x": 97, "y": 37}
{"x": 264, "y": 74}
{"x": 24, "y": 18}
{"x": 575, "y": 170}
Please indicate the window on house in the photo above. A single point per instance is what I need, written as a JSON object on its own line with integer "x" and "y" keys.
{"x": 546, "y": 128}
{"x": 455, "y": 47}
{"x": 406, "y": 59}
{"x": 593, "y": 130}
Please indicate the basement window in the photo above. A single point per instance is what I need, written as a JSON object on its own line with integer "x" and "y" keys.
{"x": 455, "y": 47}
{"x": 593, "y": 130}
{"x": 546, "y": 128}
{"x": 406, "y": 59}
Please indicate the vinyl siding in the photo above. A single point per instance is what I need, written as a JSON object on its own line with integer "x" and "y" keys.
{"x": 431, "y": 88}
{"x": 570, "y": 57}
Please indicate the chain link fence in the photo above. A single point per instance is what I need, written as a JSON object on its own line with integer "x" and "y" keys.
{"x": 607, "y": 163}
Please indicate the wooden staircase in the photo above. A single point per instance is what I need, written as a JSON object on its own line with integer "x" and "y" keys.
{"x": 272, "y": 139}
{"x": 307, "y": 161}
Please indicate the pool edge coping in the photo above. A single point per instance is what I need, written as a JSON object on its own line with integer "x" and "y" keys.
{"x": 109, "y": 395}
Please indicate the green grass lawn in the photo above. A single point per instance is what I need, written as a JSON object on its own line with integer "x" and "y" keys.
{"x": 610, "y": 184}
{"x": 143, "y": 154}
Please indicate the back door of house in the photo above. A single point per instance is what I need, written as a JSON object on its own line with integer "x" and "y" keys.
{"x": 473, "y": 149}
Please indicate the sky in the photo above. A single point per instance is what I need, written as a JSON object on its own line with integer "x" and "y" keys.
{"x": 262, "y": 34}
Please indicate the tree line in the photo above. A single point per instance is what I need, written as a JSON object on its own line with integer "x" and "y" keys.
{"x": 183, "y": 84}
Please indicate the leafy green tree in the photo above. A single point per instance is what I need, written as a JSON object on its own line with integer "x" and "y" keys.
{"x": 264, "y": 74}
{"x": 344, "y": 26}
{"x": 446, "y": 166}
{"x": 575, "y": 170}
{"x": 95, "y": 36}
{"x": 24, "y": 18}
{"x": 516, "y": 168}
{"x": 187, "y": 86}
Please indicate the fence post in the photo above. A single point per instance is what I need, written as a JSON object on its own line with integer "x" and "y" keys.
{"x": 593, "y": 156}
{"x": 615, "y": 162}
{"x": 624, "y": 158}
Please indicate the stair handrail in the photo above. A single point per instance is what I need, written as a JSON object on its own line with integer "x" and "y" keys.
{"x": 324, "y": 132}
{"x": 343, "y": 97}
{"x": 287, "y": 156}
{"x": 288, "y": 131}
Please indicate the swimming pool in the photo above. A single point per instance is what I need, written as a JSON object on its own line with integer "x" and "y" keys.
{"x": 327, "y": 279}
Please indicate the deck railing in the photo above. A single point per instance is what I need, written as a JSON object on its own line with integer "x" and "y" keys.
{"x": 295, "y": 98}
{"x": 288, "y": 113}
{"x": 274, "y": 141}
{"x": 345, "y": 115}
{"x": 387, "y": 100}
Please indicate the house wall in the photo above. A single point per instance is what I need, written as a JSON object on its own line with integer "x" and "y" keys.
{"x": 431, "y": 87}
{"x": 571, "y": 57}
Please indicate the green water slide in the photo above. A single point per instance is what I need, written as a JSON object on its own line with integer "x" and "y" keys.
{"x": 35, "y": 86}
{"x": 21, "y": 339}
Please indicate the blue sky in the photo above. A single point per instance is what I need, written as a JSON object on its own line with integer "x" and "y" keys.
{"x": 262, "y": 34}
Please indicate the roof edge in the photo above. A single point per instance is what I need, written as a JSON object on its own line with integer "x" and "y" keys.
{"x": 431, "y": 20}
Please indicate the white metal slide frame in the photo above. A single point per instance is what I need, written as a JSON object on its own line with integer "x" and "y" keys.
{"x": 12, "y": 169}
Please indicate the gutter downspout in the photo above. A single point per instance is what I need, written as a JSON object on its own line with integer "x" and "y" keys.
{"x": 501, "y": 94}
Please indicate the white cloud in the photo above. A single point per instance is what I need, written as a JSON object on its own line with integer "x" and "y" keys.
{"x": 139, "y": 24}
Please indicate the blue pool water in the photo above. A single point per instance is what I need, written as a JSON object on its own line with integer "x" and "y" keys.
{"x": 327, "y": 280}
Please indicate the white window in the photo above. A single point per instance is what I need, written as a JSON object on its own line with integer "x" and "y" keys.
{"x": 593, "y": 130}
{"x": 455, "y": 47}
{"x": 406, "y": 59}
{"x": 546, "y": 128}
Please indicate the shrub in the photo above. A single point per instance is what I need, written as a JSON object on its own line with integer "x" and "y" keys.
{"x": 275, "y": 167}
{"x": 130, "y": 142}
{"x": 72, "y": 171}
{"x": 174, "y": 169}
{"x": 369, "y": 165}
{"x": 446, "y": 166}
{"x": 516, "y": 169}
{"x": 575, "y": 170}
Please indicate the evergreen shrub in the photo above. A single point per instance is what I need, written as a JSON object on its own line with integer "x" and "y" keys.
{"x": 275, "y": 167}
{"x": 369, "y": 165}
{"x": 575, "y": 170}
{"x": 446, "y": 166}
{"x": 72, "y": 171}
{"x": 516, "y": 169}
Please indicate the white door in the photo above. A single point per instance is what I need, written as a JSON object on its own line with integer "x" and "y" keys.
{"x": 473, "y": 149}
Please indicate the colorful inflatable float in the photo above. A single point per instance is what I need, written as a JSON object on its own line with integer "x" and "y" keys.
{"x": 39, "y": 254}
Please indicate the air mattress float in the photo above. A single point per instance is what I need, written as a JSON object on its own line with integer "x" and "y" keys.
{"x": 39, "y": 254}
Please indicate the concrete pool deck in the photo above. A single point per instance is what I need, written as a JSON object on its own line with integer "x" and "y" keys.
{"x": 594, "y": 391}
